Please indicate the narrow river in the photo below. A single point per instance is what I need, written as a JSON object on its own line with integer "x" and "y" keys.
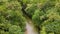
{"x": 30, "y": 29}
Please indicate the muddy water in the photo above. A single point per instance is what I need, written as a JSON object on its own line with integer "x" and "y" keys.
{"x": 30, "y": 29}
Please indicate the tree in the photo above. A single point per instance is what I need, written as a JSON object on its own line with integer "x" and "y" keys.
{"x": 10, "y": 15}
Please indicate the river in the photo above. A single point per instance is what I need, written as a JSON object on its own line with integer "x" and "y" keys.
{"x": 30, "y": 29}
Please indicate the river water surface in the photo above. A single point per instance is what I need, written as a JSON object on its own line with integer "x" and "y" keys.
{"x": 30, "y": 29}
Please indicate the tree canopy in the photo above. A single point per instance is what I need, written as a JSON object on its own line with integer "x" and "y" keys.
{"x": 45, "y": 15}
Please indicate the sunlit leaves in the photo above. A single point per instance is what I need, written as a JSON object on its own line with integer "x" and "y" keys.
{"x": 10, "y": 15}
{"x": 14, "y": 30}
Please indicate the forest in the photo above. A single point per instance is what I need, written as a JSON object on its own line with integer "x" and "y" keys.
{"x": 42, "y": 15}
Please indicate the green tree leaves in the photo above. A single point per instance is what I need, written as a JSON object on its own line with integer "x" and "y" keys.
{"x": 11, "y": 17}
{"x": 45, "y": 14}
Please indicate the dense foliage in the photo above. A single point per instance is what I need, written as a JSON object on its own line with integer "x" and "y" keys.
{"x": 11, "y": 17}
{"x": 45, "y": 15}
